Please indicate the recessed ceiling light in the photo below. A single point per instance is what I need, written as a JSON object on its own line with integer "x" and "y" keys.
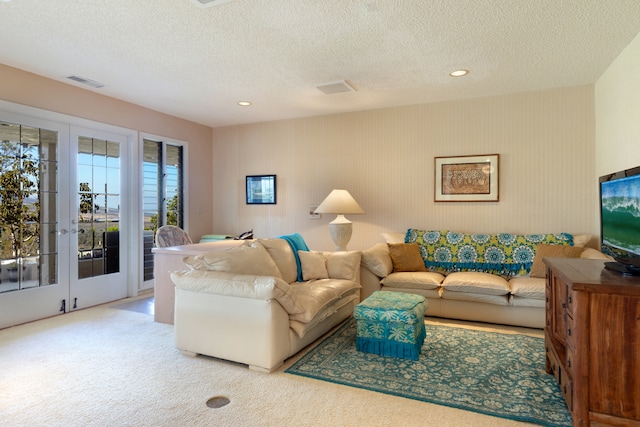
{"x": 459, "y": 73}
{"x": 244, "y": 103}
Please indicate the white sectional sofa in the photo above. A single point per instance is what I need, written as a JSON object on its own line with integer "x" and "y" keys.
{"x": 495, "y": 278}
{"x": 258, "y": 304}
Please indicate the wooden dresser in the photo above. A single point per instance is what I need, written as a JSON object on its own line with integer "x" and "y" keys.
{"x": 592, "y": 341}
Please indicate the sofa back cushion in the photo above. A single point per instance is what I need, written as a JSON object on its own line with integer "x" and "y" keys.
{"x": 504, "y": 254}
{"x": 344, "y": 265}
{"x": 378, "y": 260}
{"x": 251, "y": 258}
{"x": 283, "y": 256}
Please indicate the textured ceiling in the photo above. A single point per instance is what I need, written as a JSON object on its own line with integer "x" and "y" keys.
{"x": 193, "y": 62}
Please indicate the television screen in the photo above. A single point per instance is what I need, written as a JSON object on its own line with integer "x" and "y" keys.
{"x": 620, "y": 215}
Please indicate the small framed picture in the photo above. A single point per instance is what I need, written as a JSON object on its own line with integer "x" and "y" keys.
{"x": 261, "y": 189}
{"x": 467, "y": 178}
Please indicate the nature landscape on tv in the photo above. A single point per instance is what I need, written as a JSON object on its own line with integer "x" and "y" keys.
{"x": 621, "y": 215}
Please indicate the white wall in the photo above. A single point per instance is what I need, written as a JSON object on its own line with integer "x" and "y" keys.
{"x": 385, "y": 158}
{"x": 617, "y": 100}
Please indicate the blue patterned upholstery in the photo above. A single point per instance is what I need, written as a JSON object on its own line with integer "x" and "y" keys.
{"x": 503, "y": 254}
{"x": 391, "y": 324}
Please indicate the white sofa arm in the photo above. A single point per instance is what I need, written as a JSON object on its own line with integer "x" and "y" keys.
{"x": 236, "y": 285}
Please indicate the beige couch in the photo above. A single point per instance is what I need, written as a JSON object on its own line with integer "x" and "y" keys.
{"x": 248, "y": 306}
{"x": 462, "y": 292}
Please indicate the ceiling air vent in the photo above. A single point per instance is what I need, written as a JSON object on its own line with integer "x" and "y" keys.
{"x": 336, "y": 87}
{"x": 87, "y": 82}
{"x": 209, "y": 3}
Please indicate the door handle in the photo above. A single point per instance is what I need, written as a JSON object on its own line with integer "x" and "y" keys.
{"x": 63, "y": 232}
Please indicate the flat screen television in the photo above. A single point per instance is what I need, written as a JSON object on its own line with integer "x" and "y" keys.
{"x": 620, "y": 220}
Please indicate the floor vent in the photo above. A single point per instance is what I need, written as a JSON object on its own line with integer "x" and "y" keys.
{"x": 217, "y": 402}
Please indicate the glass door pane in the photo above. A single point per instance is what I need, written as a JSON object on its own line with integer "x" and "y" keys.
{"x": 98, "y": 207}
{"x": 28, "y": 194}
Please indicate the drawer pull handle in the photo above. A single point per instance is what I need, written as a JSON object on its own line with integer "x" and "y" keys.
{"x": 569, "y": 331}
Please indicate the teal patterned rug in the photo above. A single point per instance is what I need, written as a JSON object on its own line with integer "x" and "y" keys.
{"x": 490, "y": 373}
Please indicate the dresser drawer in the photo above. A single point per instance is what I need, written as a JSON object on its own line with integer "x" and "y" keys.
{"x": 569, "y": 365}
{"x": 572, "y": 304}
{"x": 553, "y": 362}
{"x": 570, "y": 331}
{"x": 566, "y": 386}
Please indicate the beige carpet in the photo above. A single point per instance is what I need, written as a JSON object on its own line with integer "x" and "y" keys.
{"x": 106, "y": 366}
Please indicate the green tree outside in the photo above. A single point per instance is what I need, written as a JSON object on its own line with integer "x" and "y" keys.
{"x": 20, "y": 217}
{"x": 172, "y": 214}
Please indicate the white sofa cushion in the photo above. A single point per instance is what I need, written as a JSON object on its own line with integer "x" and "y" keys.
{"x": 476, "y": 282}
{"x": 283, "y": 256}
{"x": 528, "y": 287}
{"x": 335, "y": 265}
{"x": 301, "y": 328}
{"x": 427, "y": 293}
{"x": 313, "y": 265}
{"x": 517, "y": 301}
{"x": 252, "y": 259}
{"x": 237, "y": 285}
{"x": 343, "y": 265}
{"x": 314, "y": 296}
{"x": 475, "y": 297}
{"x": 413, "y": 280}
{"x": 378, "y": 260}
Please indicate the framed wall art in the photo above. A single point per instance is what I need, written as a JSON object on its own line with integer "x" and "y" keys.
{"x": 467, "y": 178}
{"x": 261, "y": 189}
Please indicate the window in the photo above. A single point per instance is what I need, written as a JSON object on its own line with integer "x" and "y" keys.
{"x": 162, "y": 192}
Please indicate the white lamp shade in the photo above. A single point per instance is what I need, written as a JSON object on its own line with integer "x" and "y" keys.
{"x": 339, "y": 202}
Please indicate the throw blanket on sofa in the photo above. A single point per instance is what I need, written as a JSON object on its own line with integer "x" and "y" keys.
{"x": 503, "y": 254}
{"x": 297, "y": 243}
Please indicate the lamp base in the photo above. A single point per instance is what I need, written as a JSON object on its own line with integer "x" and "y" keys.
{"x": 340, "y": 230}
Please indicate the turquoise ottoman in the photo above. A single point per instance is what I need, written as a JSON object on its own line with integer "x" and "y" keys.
{"x": 391, "y": 324}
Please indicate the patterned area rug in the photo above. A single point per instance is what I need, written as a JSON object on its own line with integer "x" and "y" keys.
{"x": 491, "y": 373}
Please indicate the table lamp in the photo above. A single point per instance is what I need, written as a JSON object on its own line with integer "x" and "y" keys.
{"x": 340, "y": 202}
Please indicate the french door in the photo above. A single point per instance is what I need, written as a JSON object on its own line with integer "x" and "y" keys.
{"x": 99, "y": 169}
{"x": 61, "y": 224}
